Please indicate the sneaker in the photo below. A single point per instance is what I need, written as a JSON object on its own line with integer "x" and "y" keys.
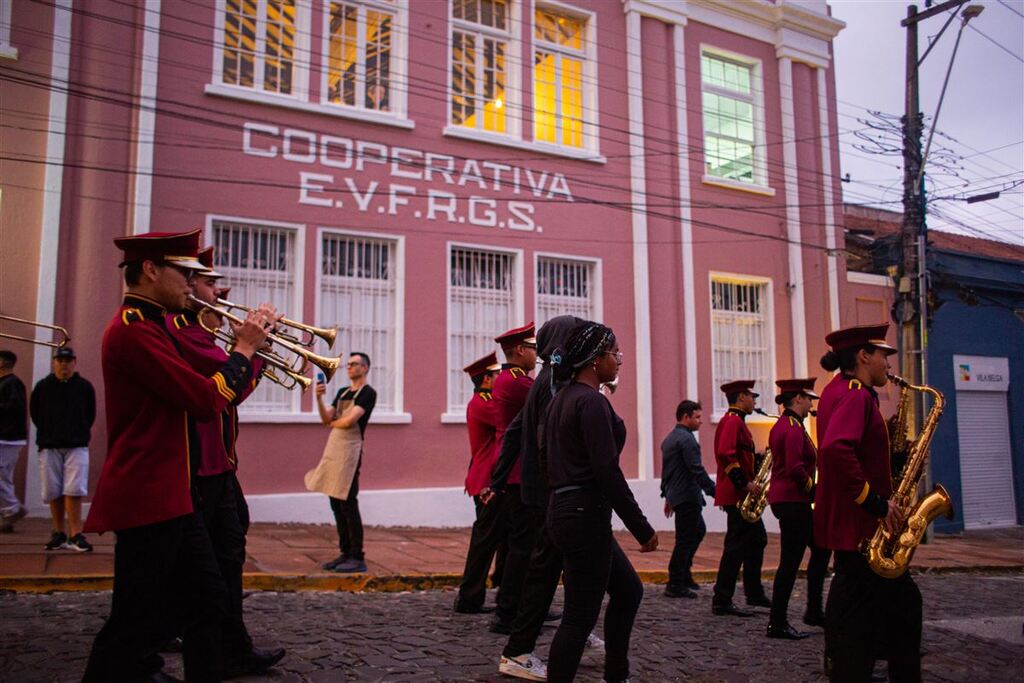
{"x": 350, "y": 566}
{"x": 78, "y": 542}
{"x": 526, "y": 666}
{"x": 58, "y": 541}
{"x": 594, "y": 644}
{"x": 7, "y": 521}
{"x": 329, "y": 566}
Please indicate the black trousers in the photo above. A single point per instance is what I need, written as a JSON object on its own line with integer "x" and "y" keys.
{"x": 867, "y": 615}
{"x": 580, "y": 526}
{"x": 162, "y": 572}
{"x": 348, "y": 520}
{"x": 226, "y": 515}
{"x": 690, "y": 530}
{"x": 522, "y": 536}
{"x": 744, "y": 545}
{"x": 539, "y": 587}
{"x": 795, "y": 530}
{"x": 489, "y": 532}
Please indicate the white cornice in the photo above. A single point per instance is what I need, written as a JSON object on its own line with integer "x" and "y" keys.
{"x": 669, "y": 11}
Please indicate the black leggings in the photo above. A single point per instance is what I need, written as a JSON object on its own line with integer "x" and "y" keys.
{"x": 593, "y": 564}
{"x": 795, "y": 530}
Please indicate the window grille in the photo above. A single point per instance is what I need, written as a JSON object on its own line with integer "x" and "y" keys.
{"x": 730, "y": 126}
{"x": 481, "y": 305}
{"x": 558, "y": 69}
{"x": 740, "y": 336}
{"x": 358, "y": 292}
{"x": 479, "y": 69}
{"x": 565, "y": 287}
{"x": 359, "y": 55}
{"x": 259, "y": 45}
{"x": 258, "y": 263}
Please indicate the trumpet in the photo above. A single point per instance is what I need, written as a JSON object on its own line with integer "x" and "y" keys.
{"x": 328, "y": 334}
{"x": 296, "y": 376}
{"x": 57, "y": 328}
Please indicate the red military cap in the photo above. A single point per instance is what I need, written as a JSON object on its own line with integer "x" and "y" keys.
{"x": 853, "y": 337}
{"x": 205, "y": 257}
{"x": 519, "y": 335}
{"x": 179, "y": 248}
{"x": 796, "y": 386}
{"x": 488, "y": 363}
{"x": 739, "y": 385}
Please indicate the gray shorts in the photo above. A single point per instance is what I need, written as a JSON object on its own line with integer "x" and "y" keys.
{"x": 64, "y": 472}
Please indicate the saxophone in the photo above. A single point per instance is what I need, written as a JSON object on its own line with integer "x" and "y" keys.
{"x": 889, "y": 554}
{"x": 752, "y": 507}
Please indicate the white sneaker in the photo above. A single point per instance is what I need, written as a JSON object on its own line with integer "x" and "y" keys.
{"x": 526, "y": 666}
{"x": 594, "y": 644}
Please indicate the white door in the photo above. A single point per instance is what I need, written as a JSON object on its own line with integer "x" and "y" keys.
{"x": 985, "y": 471}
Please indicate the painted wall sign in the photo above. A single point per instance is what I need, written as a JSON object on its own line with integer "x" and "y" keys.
{"x": 347, "y": 189}
{"x": 981, "y": 373}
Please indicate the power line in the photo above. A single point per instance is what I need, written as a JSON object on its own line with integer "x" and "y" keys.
{"x": 996, "y": 43}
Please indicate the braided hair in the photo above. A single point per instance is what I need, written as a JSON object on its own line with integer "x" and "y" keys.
{"x": 587, "y": 341}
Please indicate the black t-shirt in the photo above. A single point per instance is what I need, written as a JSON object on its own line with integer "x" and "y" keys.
{"x": 365, "y": 398}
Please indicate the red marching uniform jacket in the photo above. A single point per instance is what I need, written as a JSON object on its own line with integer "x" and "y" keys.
{"x": 853, "y": 461}
{"x": 734, "y": 447}
{"x": 217, "y": 436}
{"x": 482, "y": 424}
{"x": 511, "y": 387}
{"x": 150, "y": 391}
{"x": 793, "y": 461}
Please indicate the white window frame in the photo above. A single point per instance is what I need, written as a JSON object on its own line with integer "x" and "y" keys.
{"x": 398, "y": 415}
{"x": 769, "y": 314}
{"x": 597, "y": 274}
{"x": 760, "y": 183}
{"x": 591, "y": 123}
{"x": 513, "y": 84}
{"x": 457, "y": 414}
{"x": 8, "y": 51}
{"x": 398, "y": 96}
{"x": 288, "y": 308}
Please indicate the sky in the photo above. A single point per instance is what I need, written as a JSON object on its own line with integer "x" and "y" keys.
{"x": 979, "y": 143}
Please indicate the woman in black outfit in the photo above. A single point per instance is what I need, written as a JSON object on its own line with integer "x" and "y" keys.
{"x": 584, "y": 437}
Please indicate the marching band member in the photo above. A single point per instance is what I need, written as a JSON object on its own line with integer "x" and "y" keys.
{"x": 744, "y": 541}
{"x": 163, "y": 562}
{"x": 224, "y": 510}
{"x": 790, "y": 494}
{"x": 864, "y": 611}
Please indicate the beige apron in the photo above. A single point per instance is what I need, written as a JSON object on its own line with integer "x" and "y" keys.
{"x": 340, "y": 459}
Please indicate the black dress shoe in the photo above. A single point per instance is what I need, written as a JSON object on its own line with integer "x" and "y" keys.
{"x": 730, "y": 610}
{"x": 785, "y": 632}
{"x": 501, "y": 626}
{"x": 676, "y": 592}
{"x": 471, "y": 609}
{"x": 553, "y": 616}
{"x": 814, "y": 618}
{"x": 759, "y": 601}
{"x": 692, "y": 585}
{"x": 256, "y": 661}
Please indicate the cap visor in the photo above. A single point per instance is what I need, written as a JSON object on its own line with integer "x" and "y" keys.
{"x": 810, "y": 394}
{"x": 754, "y": 395}
{"x": 185, "y": 262}
{"x": 210, "y": 273}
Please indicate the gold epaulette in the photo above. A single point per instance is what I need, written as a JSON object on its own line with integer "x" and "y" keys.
{"x": 180, "y": 321}
{"x": 485, "y": 395}
{"x": 792, "y": 422}
{"x": 517, "y": 372}
{"x": 132, "y": 315}
{"x": 855, "y": 384}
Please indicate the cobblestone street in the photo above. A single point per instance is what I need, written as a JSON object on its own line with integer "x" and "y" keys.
{"x": 972, "y": 632}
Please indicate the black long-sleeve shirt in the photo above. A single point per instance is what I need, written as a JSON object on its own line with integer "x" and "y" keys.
{"x": 683, "y": 477}
{"x": 584, "y": 438}
{"x": 13, "y": 409}
{"x": 63, "y": 411}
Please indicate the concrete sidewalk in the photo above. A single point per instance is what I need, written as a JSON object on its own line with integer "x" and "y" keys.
{"x": 288, "y": 557}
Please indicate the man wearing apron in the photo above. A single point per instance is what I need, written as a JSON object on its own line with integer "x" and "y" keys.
{"x": 337, "y": 475}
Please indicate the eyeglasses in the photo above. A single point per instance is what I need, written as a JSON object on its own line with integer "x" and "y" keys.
{"x": 617, "y": 354}
{"x": 354, "y": 364}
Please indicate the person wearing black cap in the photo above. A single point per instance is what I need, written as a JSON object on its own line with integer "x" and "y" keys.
{"x": 490, "y": 528}
{"x": 790, "y": 494}
{"x": 584, "y": 439}
{"x": 164, "y": 566}
{"x": 864, "y": 611}
{"x": 744, "y": 541}
{"x": 63, "y": 409}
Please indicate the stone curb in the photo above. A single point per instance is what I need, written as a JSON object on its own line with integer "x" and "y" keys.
{"x": 394, "y": 583}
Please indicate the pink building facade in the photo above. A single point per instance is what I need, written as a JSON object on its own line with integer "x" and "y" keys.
{"x": 427, "y": 175}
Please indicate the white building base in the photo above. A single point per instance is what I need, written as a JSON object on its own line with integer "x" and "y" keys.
{"x": 445, "y": 507}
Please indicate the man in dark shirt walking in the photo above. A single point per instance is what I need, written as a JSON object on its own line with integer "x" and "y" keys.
{"x": 683, "y": 479}
{"x": 13, "y": 434}
{"x": 63, "y": 408}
